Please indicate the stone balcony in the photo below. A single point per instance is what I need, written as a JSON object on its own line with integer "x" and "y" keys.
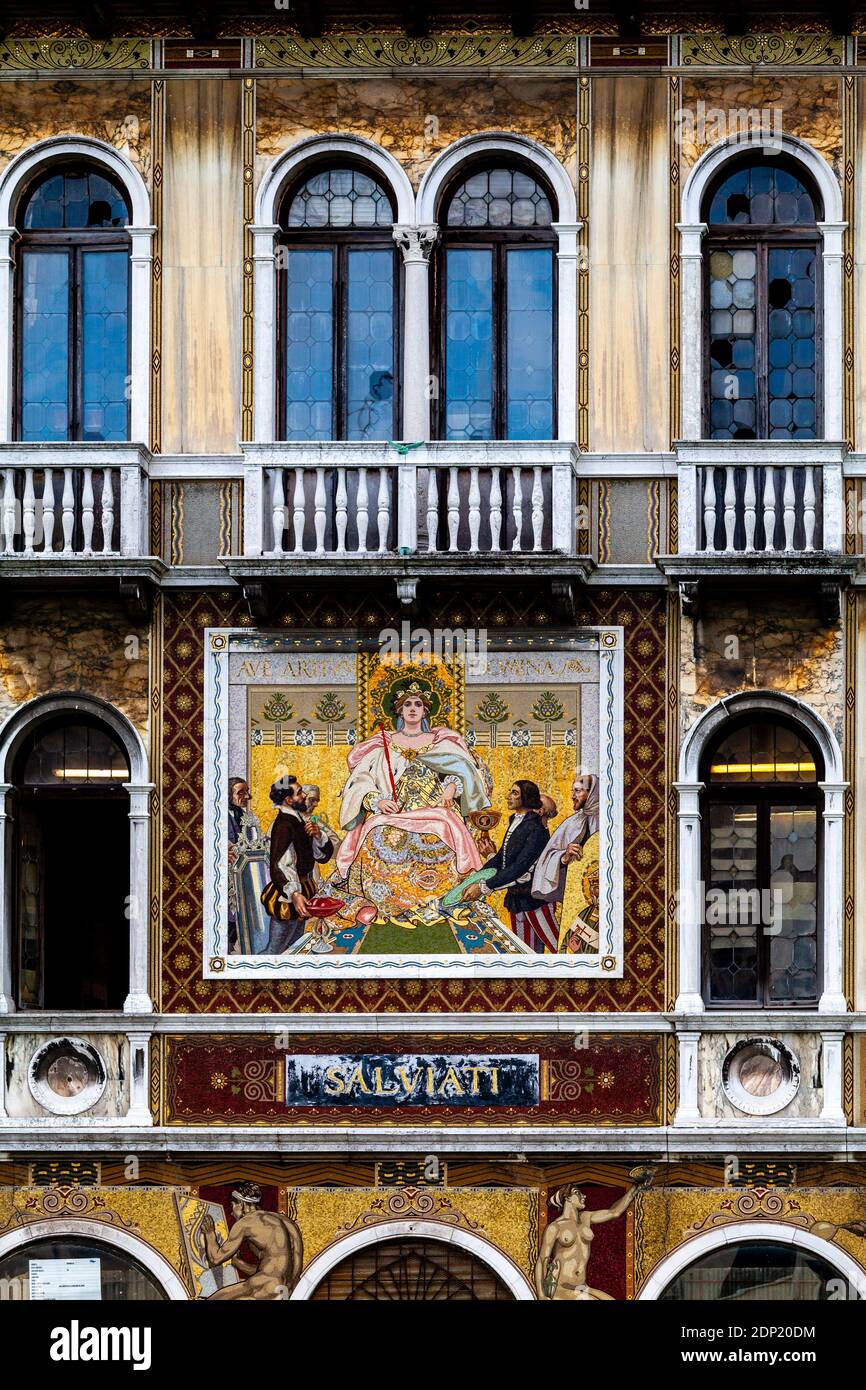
{"x": 77, "y": 514}
{"x": 409, "y": 512}
{"x": 753, "y": 512}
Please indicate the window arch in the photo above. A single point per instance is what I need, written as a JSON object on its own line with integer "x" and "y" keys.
{"x": 75, "y": 810}
{"x": 71, "y": 809}
{"x": 496, "y": 298}
{"x": 338, "y": 296}
{"x": 763, "y": 263}
{"x": 73, "y": 306}
{"x": 761, "y": 817}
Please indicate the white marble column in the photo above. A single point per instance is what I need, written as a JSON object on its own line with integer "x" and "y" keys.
{"x": 568, "y": 261}
{"x": 264, "y": 334}
{"x": 139, "y": 1079}
{"x": 138, "y": 1001}
{"x": 416, "y": 243}
{"x": 8, "y": 236}
{"x": 687, "y": 1112}
{"x": 7, "y": 907}
{"x": 832, "y": 255}
{"x": 690, "y": 905}
{"x": 140, "y": 269}
{"x": 833, "y": 1109}
{"x": 691, "y": 329}
{"x": 833, "y": 994}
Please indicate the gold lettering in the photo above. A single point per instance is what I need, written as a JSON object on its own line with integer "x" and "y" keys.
{"x": 356, "y": 1078}
{"x": 430, "y": 1081}
{"x": 334, "y": 1085}
{"x": 402, "y": 1073}
{"x": 474, "y": 1073}
{"x": 451, "y": 1079}
{"x": 494, "y": 1080}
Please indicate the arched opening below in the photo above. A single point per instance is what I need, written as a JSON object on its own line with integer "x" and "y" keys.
{"x": 412, "y": 1269}
{"x": 756, "y": 1271}
{"x": 74, "y": 1267}
{"x": 70, "y": 819}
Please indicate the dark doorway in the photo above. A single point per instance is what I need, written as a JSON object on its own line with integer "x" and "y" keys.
{"x": 71, "y": 819}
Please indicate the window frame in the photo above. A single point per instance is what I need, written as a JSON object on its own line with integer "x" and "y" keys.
{"x": 762, "y": 794}
{"x": 72, "y": 243}
{"x": 761, "y": 237}
{"x": 339, "y": 241}
{"x": 499, "y": 240}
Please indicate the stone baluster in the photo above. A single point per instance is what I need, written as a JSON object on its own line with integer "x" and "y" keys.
{"x": 749, "y": 511}
{"x": 730, "y": 509}
{"x": 537, "y": 508}
{"x": 474, "y": 510}
{"x": 48, "y": 512}
{"x": 384, "y": 508}
{"x": 809, "y": 509}
{"x": 495, "y": 508}
{"x": 299, "y": 511}
{"x": 320, "y": 513}
{"x": 278, "y": 508}
{"x": 453, "y": 508}
{"x": 9, "y": 509}
{"x": 769, "y": 508}
{"x": 87, "y": 513}
{"x": 342, "y": 507}
{"x": 790, "y": 513}
{"x": 107, "y": 511}
{"x": 432, "y": 509}
{"x": 517, "y": 508}
{"x": 709, "y": 509}
{"x": 28, "y": 513}
{"x": 363, "y": 511}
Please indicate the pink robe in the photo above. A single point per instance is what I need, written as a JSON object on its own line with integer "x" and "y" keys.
{"x": 368, "y": 772}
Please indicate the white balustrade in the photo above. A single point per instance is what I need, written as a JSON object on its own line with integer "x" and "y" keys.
{"x": 69, "y": 511}
{"x": 327, "y": 511}
{"x": 766, "y": 508}
{"x": 443, "y": 508}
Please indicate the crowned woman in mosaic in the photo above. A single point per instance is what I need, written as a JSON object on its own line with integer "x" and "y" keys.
{"x": 404, "y": 808}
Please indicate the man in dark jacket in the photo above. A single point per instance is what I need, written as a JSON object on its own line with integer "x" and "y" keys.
{"x": 532, "y": 920}
{"x": 296, "y": 846}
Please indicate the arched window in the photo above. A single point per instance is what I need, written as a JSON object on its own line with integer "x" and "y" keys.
{"x": 496, "y": 298}
{"x": 66, "y": 1266}
{"x": 751, "y": 1271}
{"x": 409, "y": 1270}
{"x": 761, "y": 850}
{"x": 763, "y": 256}
{"x": 73, "y": 307}
{"x": 338, "y": 299}
{"x": 71, "y": 866}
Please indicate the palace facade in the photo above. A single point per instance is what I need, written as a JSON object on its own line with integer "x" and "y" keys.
{"x": 431, "y": 741}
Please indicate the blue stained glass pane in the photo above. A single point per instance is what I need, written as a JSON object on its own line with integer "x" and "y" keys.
{"x": 370, "y": 345}
{"x": 75, "y": 198}
{"x": 529, "y": 344}
{"x": 106, "y": 327}
{"x": 45, "y": 346}
{"x": 791, "y": 345}
{"x": 309, "y": 345}
{"x": 469, "y": 345}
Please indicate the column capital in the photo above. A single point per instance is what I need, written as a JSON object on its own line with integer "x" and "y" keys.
{"x": 416, "y": 242}
{"x": 691, "y": 236}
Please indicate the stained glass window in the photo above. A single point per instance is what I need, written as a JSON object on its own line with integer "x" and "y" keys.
{"x": 339, "y": 309}
{"x": 761, "y": 856}
{"x": 73, "y": 287}
{"x": 498, "y": 315}
{"x": 762, "y": 267}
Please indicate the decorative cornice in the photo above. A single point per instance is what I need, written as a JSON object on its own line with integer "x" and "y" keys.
{"x": 397, "y": 51}
{"x": 63, "y": 55}
{"x": 773, "y": 50}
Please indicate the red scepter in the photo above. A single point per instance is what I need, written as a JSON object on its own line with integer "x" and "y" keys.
{"x": 388, "y": 760}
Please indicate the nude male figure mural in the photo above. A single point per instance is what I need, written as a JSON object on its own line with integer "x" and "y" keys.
{"x": 561, "y": 1268}
{"x": 274, "y": 1239}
